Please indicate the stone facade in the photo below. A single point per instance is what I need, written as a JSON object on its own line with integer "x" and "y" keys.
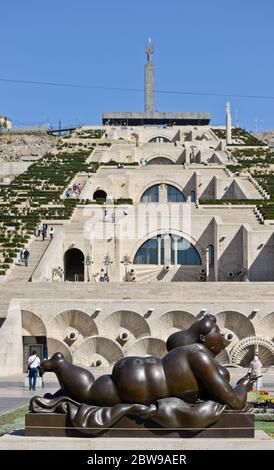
{"x": 66, "y": 308}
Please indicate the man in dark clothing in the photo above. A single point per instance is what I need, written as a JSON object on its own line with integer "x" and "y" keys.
{"x": 26, "y": 257}
{"x": 44, "y": 233}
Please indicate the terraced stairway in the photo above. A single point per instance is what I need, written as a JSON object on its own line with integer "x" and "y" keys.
{"x": 248, "y": 187}
{"x": 22, "y": 273}
{"x": 236, "y": 214}
{"x": 37, "y": 248}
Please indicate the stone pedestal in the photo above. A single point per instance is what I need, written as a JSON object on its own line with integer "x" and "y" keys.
{"x": 231, "y": 425}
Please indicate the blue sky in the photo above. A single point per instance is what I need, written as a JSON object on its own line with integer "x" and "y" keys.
{"x": 213, "y": 46}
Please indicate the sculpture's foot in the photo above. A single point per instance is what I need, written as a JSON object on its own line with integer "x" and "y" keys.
{"x": 51, "y": 405}
{"x": 50, "y": 396}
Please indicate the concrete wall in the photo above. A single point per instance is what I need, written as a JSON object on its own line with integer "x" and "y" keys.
{"x": 11, "y": 350}
{"x": 13, "y": 168}
{"x": 99, "y": 323}
{"x": 261, "y": 256}
{"x": 230, "y": 251}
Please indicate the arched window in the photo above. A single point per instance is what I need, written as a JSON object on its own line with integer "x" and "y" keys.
{"x": 186, "y": 252}
{"x": 174, "y": 194}
{"x": 171, "y": 194}
{"x": 160, "y": 161}
{"x": 159, "y": 140}
{"x": 100, "y": 194}
{"x": 210, "y": 255}
{"x": 151, "y": 194}
{"x": 74, "y": 265}
{"x": 148, "y": 252}
{"x": 167, "y": 248}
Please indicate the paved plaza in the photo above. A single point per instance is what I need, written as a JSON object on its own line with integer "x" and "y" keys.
{"x": 17, "y": 442}
{"x": 14, "y": 391}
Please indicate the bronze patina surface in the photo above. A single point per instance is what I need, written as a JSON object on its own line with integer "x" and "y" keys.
{"x": 187, "y": 389}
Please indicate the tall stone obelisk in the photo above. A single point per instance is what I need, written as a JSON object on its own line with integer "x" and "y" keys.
{"x": 149, "y": 80}
{"x": 228, "y": 124}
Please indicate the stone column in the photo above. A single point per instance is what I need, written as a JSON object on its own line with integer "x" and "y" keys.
{"x": 228, "y": 124}
{"x": 149, "y": 80}
{"x": 187, "y": 156}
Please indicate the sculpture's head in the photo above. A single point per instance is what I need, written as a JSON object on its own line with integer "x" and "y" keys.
{"x": 204, "y": 331}
{"x": 214, "y": 340}
{"x": 52, "y": 363}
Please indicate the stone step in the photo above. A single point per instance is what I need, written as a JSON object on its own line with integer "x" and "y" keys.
{"x": 248, "y": 187}
{"x": 37, "y": 248}
{"x": 186, "y": 291}
{"x": 22, "y": 273}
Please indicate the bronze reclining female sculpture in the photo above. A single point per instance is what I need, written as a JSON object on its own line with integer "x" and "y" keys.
{"x": 187, "y": 387}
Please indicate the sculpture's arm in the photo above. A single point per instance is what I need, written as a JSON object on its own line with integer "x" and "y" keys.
{"x": 217, "y": 386}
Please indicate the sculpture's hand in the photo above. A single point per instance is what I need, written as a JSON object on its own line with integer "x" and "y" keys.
{"x": 247, "y": 381}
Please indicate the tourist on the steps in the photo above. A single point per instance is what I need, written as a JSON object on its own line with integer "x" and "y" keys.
{"x": 22, "y": 255}
{"x": 44, "y": 233}
{"x": 26, "y": 257}
{"x": 39, "y": 230}
{"x": 51, "y": 232}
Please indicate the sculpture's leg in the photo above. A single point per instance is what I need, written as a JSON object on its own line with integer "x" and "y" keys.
{"x": 175, "y": 413}
{"x": 52, "y": 405}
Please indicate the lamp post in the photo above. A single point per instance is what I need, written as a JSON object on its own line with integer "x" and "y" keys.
{"x": 126, "y": 261}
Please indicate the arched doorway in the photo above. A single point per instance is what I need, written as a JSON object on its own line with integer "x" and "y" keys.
{"x": 74, "y": 265}
{"x": 100, "y": 194}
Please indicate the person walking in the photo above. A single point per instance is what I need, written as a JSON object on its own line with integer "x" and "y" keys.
{"x": 44, "y": 233}
{"x": 40, "y": 229}
{"x": 33, "y": 364}
{"x": 51, "y": 232}
{"x": 22, "y": 255}
{"x": 255, "y": 369}
{"x": 26, "y": 257}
